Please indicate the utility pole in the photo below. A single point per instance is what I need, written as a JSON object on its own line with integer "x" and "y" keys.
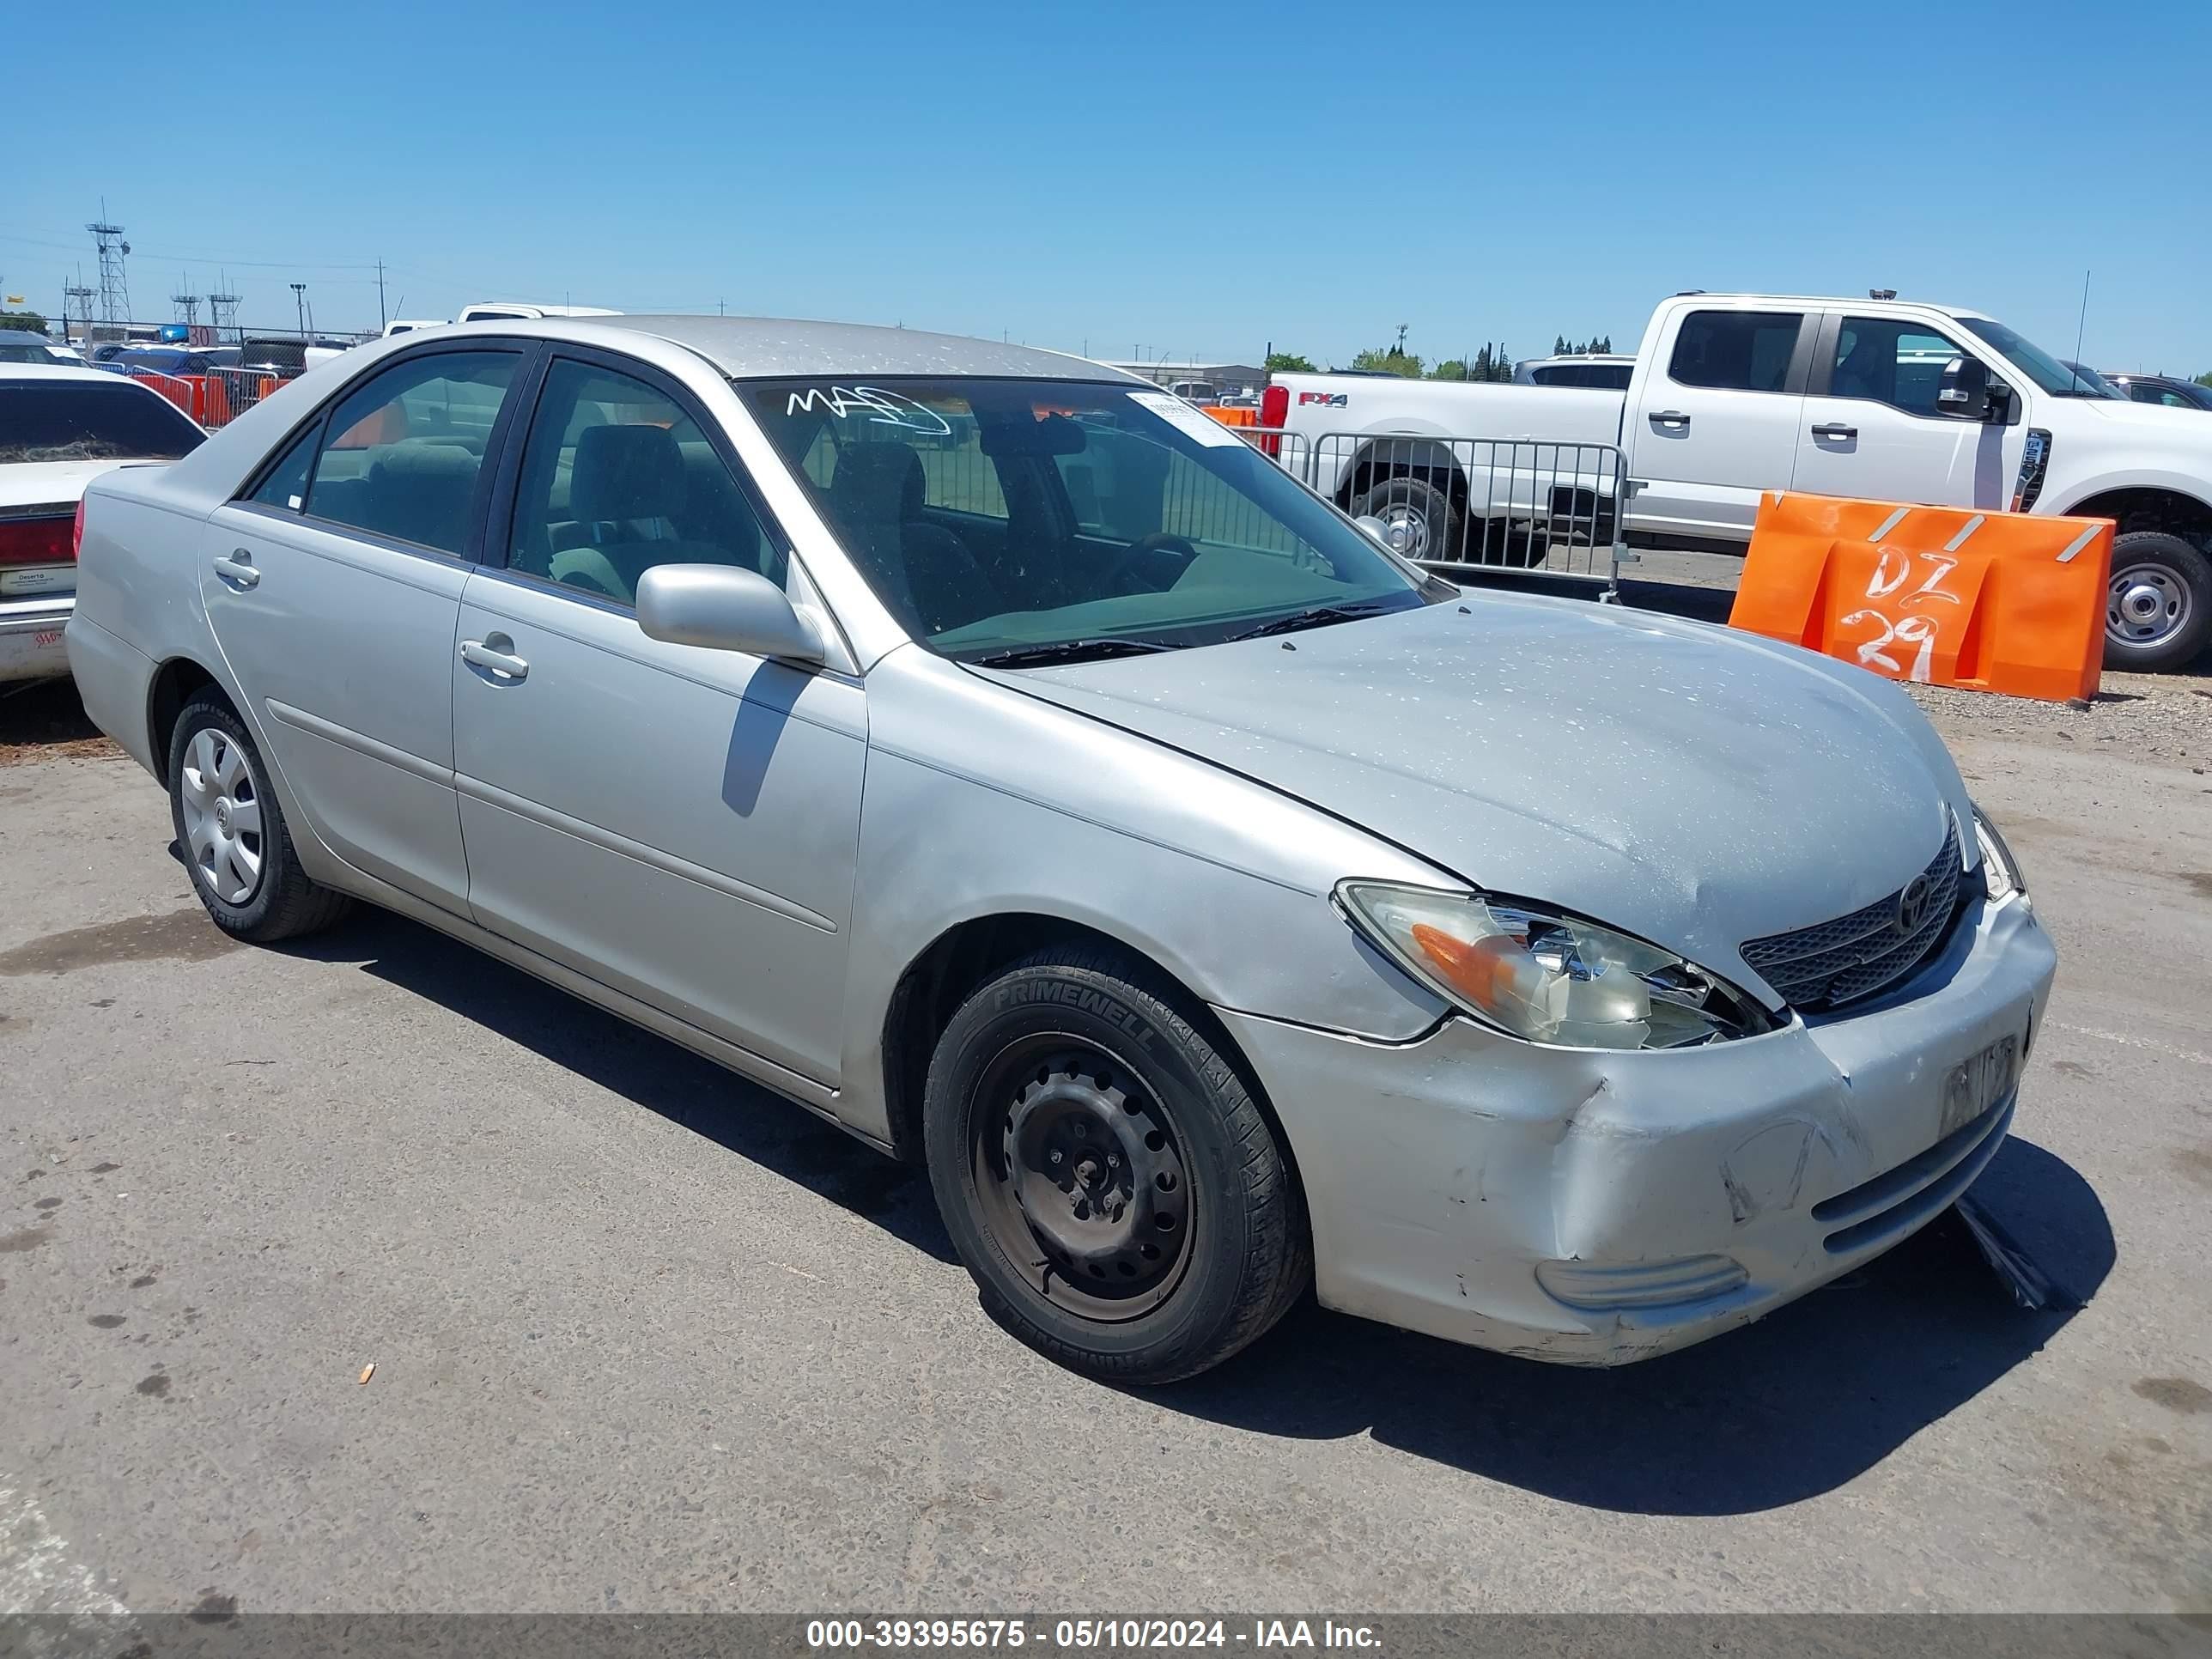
{"x": 300, "y": 304}
{"x": 114, "y": 292}
{"x": 380, "y": 318}
{"x": 1402, "y": 339}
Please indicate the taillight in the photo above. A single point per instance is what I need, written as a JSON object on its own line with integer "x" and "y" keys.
{"x": 1274, "y": 409}
{"x": 37, "y": 541}
{"x": 76, "y": 532}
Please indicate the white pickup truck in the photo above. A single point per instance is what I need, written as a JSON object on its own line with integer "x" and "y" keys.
{"x": 1734, "y": 394}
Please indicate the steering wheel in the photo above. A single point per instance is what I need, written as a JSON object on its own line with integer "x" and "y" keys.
{"x": 1159, "y": 541}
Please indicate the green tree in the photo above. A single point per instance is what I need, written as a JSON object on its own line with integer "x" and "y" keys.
{"x": 1606, "y": 344}
{"x": 2205, "y": 379}
{"x": 28, "y": 320}
{"x": 1452, "y": 368}
{"x": 1390, "y": 359}
{"x": 1288, "y": 363}
{"x": 1558, "y": 345}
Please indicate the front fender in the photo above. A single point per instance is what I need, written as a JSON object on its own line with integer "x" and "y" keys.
{"x": 981, "y": 801}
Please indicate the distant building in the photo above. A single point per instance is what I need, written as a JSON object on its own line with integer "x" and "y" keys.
{"x": 1201, "y": 380}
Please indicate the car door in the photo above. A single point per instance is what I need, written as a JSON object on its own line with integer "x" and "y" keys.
{"x": 1716, "y": 421}
{"x": 677, "y": 823}
{"x": 1872, "y": 430}
{"x": 333, "y": 584}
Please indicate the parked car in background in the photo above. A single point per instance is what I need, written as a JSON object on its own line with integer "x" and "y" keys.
{"x": 408, "y": 325}
{"x": 21, "y": 345}
{"x": 1602, "y": 370}
{"x": 2169, "y": 390}
{"x": 1220, "y": 914}
{"x": 509, "y": 311}
{"x": 2089, "y": 378}
{"x": 1733, "y": 395}
{"x": 60, "y": 427}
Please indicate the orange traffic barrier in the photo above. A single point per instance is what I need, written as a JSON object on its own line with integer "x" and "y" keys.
{"x": 1233, "y": 417}
{"x": 2007, "y": 602}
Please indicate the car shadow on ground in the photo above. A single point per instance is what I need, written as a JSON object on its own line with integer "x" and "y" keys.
{"x": 646, "y": 1069}
{"x": 1777, "y": 1413}
{"x": 1786, "y": 1409}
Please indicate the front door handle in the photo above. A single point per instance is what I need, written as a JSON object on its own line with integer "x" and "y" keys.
{"x": 1669, "y": 417}
{"x": 236, "y": 567}
{"x": 1835, "y": 429}
{"x": 499, "y": 667}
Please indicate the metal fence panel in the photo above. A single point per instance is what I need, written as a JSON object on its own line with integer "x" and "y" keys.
{"x": 1541, "y": 505}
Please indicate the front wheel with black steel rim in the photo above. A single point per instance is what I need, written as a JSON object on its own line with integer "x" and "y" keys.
{"x": 231, "y": 831}
{"x": 1105, "y": 1174}
{"x": 2158, "y": 608}
{"x": 1420, "y": 522}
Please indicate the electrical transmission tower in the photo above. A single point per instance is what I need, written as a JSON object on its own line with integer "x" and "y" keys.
{"x": 222, "y": 312}
{"x": 188, "y": 307}
{"x": 79, "y": 311}
{"x": 114, "y": 291}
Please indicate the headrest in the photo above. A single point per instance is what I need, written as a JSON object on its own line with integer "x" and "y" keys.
{"x": 878, "y": 483}
{"x": 624, "y": 472}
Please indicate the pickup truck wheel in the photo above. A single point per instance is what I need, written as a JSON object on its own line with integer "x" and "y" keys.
{"x": 231, "y": 832}
{"x": 1105, "y": 1176}
{"x": 1420, "y": 520}
{"x": 2157, "y": 613}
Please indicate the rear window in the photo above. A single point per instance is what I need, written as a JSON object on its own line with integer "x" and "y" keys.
{"x": 78, "y": 421}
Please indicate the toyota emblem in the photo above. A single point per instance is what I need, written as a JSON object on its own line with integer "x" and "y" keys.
{"x": 1913, "y": 905}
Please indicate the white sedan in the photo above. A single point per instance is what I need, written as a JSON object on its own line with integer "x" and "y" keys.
{"x": 60, "y": 428}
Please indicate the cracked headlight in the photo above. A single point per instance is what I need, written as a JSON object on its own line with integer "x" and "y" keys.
{"x": 1545, "y": 977}
{"x": 2000, "y": 876}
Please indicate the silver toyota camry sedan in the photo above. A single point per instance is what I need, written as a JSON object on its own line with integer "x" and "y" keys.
{"x": 1001, "y": 759}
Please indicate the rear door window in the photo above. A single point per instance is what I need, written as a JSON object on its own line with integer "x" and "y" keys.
{"x": 1735, "y": 351}
{"x": 402, "y": 453}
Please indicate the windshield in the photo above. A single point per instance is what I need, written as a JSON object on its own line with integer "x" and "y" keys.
{"x": 2032, "y": 361}
{"x": 1010, "y": 519}
{"x": 79, "y": 422}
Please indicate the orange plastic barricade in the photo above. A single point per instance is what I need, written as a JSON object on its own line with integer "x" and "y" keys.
{"x": 2005, "y": 602}
{"x": 1233, "y": 417}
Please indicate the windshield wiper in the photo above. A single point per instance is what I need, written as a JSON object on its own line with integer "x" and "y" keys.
{"x": 1036, "y": 656}
{"x": 1319, "y": 616}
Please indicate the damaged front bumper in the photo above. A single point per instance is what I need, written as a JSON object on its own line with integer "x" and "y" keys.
{"x": 1596, "y": 1207}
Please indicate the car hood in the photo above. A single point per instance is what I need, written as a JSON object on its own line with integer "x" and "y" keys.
{"x": 1695, "y": 787}
{"x": 36, "y": 484}
{"x": 2188, "y": 425}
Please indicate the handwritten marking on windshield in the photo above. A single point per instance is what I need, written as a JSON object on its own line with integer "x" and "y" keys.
{"x": 883, "y": 408}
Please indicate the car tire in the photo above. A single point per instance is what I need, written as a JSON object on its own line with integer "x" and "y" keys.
{"x": 1417, "y": 511}
{"x": 249, "y": 879}
{"x": 2158, "y": 611}
{"x": 1105, "y": 1174}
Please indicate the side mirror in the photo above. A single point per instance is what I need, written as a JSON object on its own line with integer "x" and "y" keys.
{"x": 722, "y": 608}
{"x": 1964, "y": 390}
{"x": 1377, "y": 530}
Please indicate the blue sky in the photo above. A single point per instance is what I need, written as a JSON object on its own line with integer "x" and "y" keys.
{"x": 1194, "y": 179}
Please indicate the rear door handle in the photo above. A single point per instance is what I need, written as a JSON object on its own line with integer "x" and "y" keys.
{"x": 499, "y": 666}
{"x": 236, "y": 567}
{"x": 1835, "y": 429}
{"x": 1672, "y": 418}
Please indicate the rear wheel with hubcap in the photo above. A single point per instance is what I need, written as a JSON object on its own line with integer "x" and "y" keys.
{"x": 1105, "y": 1176}
{"x": 231, "y": 831}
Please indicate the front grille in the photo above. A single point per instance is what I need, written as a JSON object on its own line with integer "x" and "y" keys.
{"x": 1832, "y": 964}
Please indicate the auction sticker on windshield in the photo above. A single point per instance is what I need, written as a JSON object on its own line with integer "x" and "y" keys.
{"x": 1177, "y": 413}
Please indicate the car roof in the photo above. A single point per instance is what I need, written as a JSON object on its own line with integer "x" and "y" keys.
{"x": 768, "y": 348}
{"x": 67, "y": 372}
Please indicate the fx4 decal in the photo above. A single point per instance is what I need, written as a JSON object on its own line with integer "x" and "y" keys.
{"x": 1325, "y": 400}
